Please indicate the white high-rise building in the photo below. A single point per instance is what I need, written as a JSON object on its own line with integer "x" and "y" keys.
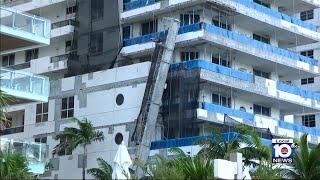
{"x": 233, "y": 58}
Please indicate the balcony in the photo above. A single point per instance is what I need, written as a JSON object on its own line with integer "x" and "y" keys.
{"x": 21, "y": 31}
{"x": 215, "y": 113}
{"x": 63, "y": 28}
{"x": 35, "y": 153}
{"x": 28, "y": 5}
{"x": 247, "y": 12}
{"x": 290, "y": 98}
{"x": 23, "y": 86}
{"x": 287, "y": 61}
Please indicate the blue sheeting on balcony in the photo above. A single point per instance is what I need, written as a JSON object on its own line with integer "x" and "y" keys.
{"x": 134, "y": 4}
{"x": 277, "y": 14}
{"x": 190, "y": 28}
{"x": 267, "y": 47}
{"x": 190, "y": 141}
{"x": 146, "y": 38}
{"x": 298, "y": 91}
{"x": 231, "y": 112}
{"x": 214, "y": 68}
{"x": 299, "y": 128}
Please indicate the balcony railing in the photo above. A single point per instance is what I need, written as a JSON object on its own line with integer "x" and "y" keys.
{"x": 20, "y": 66}
{"x": 25, "y": 22}
{"x": 137, "y": 4}
{"x": 64, "y": 23}
{"x": 248, "y": 3}
{"x": 225, "y": 33}
{"x": 203, "y": 64}
{"x": 250, "y": 117}
{"x": 24, "y": 85}
{"x": 277, "y": 14}
{"x": 62, "y": 57}
{"x": 35, "y": 153}
{"x": 303, "y": 92}
{"x": 12, "y": 130}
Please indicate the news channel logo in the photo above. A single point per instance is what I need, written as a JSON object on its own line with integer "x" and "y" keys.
{"x": 283, "y": 150}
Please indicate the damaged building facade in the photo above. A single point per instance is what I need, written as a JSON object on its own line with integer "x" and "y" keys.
{"x": 240, "y": 59}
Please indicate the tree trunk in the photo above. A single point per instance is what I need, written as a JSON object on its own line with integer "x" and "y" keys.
{"x": 83, "y": 162}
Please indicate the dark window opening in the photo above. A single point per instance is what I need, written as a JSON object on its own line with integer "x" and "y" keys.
{"x": 307, "y": 81}
{"x": 221, "y": 100}
{"x": 126, "y": 32}
{"x": 261, "y": 110}
{"x": 306, "y": 15}
{"x": 309, "y": 120}
{"x": 187, "y": 56}
{"x": 261, "y": 38}
{"x": 97, "y": 8}
{"x": 189, "y": 18}
{"x": 149, "y": 27}
{"x": 261, "y": 73}
{"x": 307, "y": 53}
{"x": 42, "y": 112}
{"x": 72, "y": 9}
{"x": 8, "y": 60}
{"x": 96, "y": 44}
{"x": 67, "y": 108}
{"x": 32, "y": 54}
{"x": 262, "y": 3}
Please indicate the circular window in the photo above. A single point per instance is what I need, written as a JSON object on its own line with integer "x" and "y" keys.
{"x": 118, "y": 139}
{"x": 119, "y": 99}
{"x": 243, "y": 109}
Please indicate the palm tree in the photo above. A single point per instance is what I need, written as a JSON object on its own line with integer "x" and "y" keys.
{"x": 104, "y": 172}
{"x": 70, "y": 138}
{"x": 306, "y": 161}
{"x": 217, "y": 147}
{"x": 4, "y": 98}
{"x": 14, "y": 166}
{"x": 197, "y": 167}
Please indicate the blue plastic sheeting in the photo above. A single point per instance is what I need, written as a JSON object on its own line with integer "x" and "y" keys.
{"x": 231, "y": 112}
{"x": 298, "y": 91}
{"x": 189, "y": 141}
{"x": 266, "y": 47}
{"x": 214, "y": 68}
{"x": 146, "y": 38}
{"x": 299, "y": 128}
{"x": 160, "y": 35}
{"x": 190, "y": 28}
{"x": 277, "y": 14}
{"x": 137, "y": 4}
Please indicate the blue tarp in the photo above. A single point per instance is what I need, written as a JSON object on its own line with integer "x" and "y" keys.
{"x": 299, "y": 128}
{"x": 189, "y": 28}
{"x": 137, "y": 4}
{"x": 214, "y": 68}
{"x": 189, "y": 141}
{"x": 146, "y": 38}
{"x": 231, "y": 112}
{"x": 298, "y": 91}
{"x": 267, "y": 47}
{"x": 277, "y": 14}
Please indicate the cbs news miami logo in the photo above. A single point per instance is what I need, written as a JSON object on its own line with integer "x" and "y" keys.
{"x": 283, "y": 150}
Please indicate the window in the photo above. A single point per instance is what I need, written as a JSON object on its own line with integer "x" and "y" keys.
{"x": 219, "y": 60}
{"x": 189, "y": 18}
{"x": 257, "y": 109}
{"x": 261, "y": 73}
{"x": 32, "y": 54}
{"x": 71, "y": 10}
{"x": 306, "y": 15}
{"x": 307, "y": 53}
{"x": 42, "y": 112}
{"x": 96, "y": 44}
{"x": 309, "y": 120}
{"x": 126, "y": 32}
{"x": 41, "y": 140}
{"x": 68, "y": 46}
{"x": 221, "y": 19}
{"x": 307, "y": 81}
{"x": 149, "y": 27}
{"x": 8, "y": 60}
{"x": 67, "y": 108}
{"x": 262, "y": 3}
{"x": 221, "y": 100}
{"x": 261, "y": 38}
{"x": 187, "y": 56}
{"x": 97, "y": 7}
{"x": 66, "y": 150}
